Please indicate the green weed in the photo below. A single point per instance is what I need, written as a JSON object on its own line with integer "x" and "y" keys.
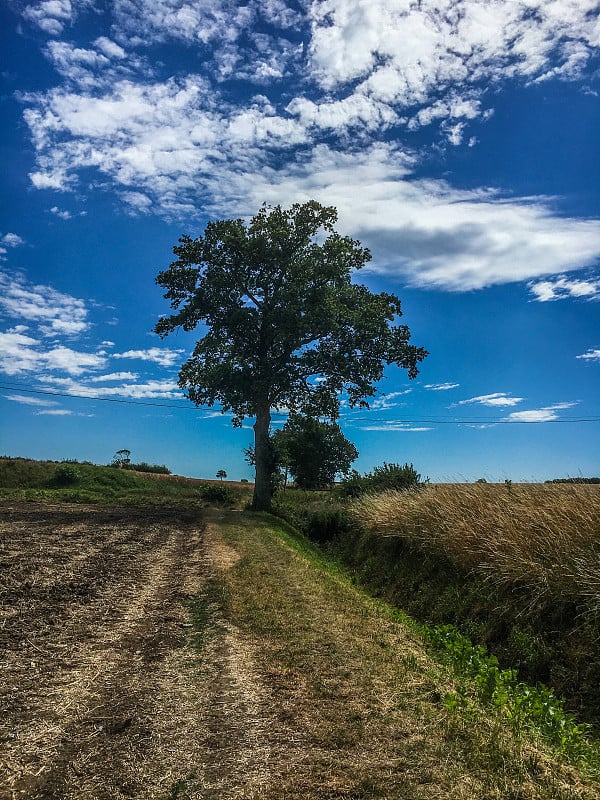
{"x": 532, "y": 708}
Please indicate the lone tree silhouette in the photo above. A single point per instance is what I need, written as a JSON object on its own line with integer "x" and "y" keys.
{"x": 280, "y": 308}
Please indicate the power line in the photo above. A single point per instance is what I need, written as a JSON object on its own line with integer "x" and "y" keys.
{"x": 372, "y": 419}
{"x": 98, "y": 399}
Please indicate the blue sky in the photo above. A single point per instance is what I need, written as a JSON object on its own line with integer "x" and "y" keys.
{"x": 458, "y": 140}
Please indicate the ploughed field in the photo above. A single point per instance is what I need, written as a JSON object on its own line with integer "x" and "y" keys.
{"x": 92, "y": 613}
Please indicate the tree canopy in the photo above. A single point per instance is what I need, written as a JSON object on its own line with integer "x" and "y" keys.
{"x": 313, "y": 451}
{"x": 281, "y": 311}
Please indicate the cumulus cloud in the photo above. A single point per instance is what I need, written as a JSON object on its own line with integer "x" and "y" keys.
{"x": 436, "y": 43}
{"x": 370, "y": 66}
{"x": 51, "y": 16}
{"x": 53, "y": 311}
{"x": 21, "y": 354}
{"x": 109, "y": 48}
{"x": 165, "y": 142}
{"x": 425, "y": 232}
{"x": 158, "y": 355}
{"x": 61, "y": 214}
{"x": 11, "y": 240}
{"x": 563, "y": 287}
{"x": 494, "y": 400}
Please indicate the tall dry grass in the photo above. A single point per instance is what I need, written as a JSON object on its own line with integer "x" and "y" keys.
{"x": 542, "y": 537}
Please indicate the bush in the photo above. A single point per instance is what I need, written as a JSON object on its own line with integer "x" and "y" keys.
{"x": 216, "y": 494}
{"x": 382, "y": 479}
{"x": 66, "y": 475}
{"x": 157, "y": 469}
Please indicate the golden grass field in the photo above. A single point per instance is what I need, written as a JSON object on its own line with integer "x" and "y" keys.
{"x": 542, "y": 536}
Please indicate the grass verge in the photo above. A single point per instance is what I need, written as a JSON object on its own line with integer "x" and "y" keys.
{"x": 434, "y": 553}
{"x": 370, "y": 706}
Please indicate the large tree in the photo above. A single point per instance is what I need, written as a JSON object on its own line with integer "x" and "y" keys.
{"x": 280, "y": 310}
{"x": 313, "y": 451}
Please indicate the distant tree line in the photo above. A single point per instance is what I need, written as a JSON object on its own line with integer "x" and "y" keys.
{"x": 574, "y": 480}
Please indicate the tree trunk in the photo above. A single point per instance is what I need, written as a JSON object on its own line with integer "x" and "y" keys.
{"x": 262, "y": 453}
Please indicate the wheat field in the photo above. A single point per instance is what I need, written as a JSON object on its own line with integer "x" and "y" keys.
{"x": 545, "y": 537}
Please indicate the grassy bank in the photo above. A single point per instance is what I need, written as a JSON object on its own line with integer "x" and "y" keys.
{"x": 26, "y": 479}
{"x": 513, "y": 568}
{"x": 370, "y": 714}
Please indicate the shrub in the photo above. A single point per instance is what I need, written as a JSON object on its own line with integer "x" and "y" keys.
{"x": 157, "y": 469}
{"x": 385, "y": 478}
{"x": 66, "y": 475}
{"x": 216, "y": 494}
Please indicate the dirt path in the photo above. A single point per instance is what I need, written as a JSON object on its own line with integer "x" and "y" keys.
{"x": 159, "y": 655}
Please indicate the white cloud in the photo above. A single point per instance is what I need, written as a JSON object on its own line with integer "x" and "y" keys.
{"x": 358, "y": 112}
{"x": 70, "y": 361}
{"x": 387, "y": 400}
{"x": 54, "y": 312}
{"x": 547, "y": 414}
{"x": 441, "y": 387}
{"x": 167, "y": 144}
{"x": 30, "y": 401}
{"x": 563, "y": 287}
{"x": 51, "y": 16}
{"x": 170, "y": 141}
{"x": 591, "y": 355}
{"x": 22, "y": 354}
{"x": 109, "y": 48}
{"x": 158, "y": 355}
{"x": 61, "y": 214}
{"x": 494, "y": 400}
{"x": 423, "y": 232}
{"x": 149, "y": 390}
{"x": 55, "y": 412}
{"x": 396, "y": 426}
{"x": 442, "y": 43}
{"x": 11, "y": 240}
{"x": 115, "y": 376}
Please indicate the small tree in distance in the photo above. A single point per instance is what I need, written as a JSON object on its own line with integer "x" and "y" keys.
{"x": 280, "y": 309}
{"x": 221, "y": 474}
{"x": 122, "y": 458}
{"x": 314, "y": 452}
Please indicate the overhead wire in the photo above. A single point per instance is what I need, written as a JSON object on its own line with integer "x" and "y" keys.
{"x": 480, "y": 420}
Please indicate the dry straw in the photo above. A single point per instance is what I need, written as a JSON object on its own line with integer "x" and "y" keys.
{"x": 542, "y": 536}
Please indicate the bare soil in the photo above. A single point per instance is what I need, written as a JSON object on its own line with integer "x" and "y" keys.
{"x": 93, "y": 619}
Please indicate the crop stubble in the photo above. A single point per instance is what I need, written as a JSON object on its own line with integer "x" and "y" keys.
{"x": 93, "y": 616}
